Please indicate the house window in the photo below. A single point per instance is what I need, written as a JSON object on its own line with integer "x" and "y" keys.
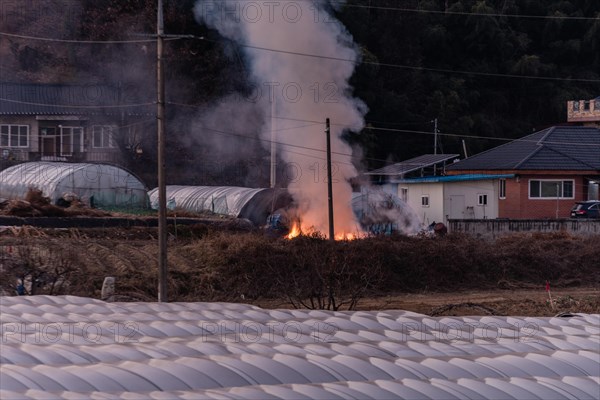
{"x": 14, "y": 135}
{"x": 502, "y": 188}
{"x": 71, "y": 139}
{"x": 425, "y": 200}
{"x": 102, "y": 137}
{"x": 597, "y": 104}
{"x": 586, "y": 106}
{"x": 482, "y": 199}
{"x": 551, "y": 189}
{"x": 404, "y": 194}
{"x": 576, "y": 106}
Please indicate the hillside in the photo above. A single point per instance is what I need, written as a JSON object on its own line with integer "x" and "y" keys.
{"x": 486, "y": 69}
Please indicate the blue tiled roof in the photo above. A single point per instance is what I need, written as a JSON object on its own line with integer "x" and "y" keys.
{"x": 59, "y": 99}
{"x": 557, "y": 148}
{"x": 457, "y": 178}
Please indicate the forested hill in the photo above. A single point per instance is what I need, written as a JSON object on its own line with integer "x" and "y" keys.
{"x": 483, "y": 68}
{"x": 515, "y": 67}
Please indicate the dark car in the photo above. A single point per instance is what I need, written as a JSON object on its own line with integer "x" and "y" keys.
{"x": 586, "y": 209}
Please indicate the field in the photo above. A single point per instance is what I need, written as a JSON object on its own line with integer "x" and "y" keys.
{"x": 450, "y": 275}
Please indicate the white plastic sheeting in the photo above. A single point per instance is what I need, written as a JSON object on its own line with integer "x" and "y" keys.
{"x": 226, "y": 200}
{"x": 70, "y": 347}
{"x": 108, "y": 185}
{"x": 252, "y": 204}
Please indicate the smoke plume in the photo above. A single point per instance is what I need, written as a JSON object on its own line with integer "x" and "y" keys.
{"x": 299, "y": 61}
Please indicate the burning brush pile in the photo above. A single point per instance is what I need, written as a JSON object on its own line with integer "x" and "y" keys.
{"x": 35, "y": 204}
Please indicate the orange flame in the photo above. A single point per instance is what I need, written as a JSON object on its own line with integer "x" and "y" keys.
{"x": 346, "y": 236}
{"x": 295, "y": 231}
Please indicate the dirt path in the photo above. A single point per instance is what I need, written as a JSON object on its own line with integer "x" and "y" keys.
{"x": 498, "y": 302}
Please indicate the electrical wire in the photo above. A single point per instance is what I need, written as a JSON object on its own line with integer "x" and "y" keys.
{"x": 463, "y": 13}
{"x": 323, "y": 57}
{"x": 409, "y": 67}
{"x": 44, "y": 39}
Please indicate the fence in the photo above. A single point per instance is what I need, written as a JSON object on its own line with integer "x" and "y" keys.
{"x": 492, "y": 228}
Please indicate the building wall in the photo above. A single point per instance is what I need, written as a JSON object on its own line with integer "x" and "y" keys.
{"x": 453, "y": 200}
{"x": 577, "y": 112}
{"x": 435, "y": 211}
{"x": 510, "y": 206}
{"x": 21, "y": 153}
{"x": 33, "y": 151}
{"x": 518, "y": 204}
{"x": 470, "y": 191}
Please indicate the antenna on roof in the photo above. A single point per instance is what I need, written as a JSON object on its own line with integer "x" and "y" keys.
{"x": 465, "y": 148}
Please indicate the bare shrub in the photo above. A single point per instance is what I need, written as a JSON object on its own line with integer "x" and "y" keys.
{"x": 38, "y": 269}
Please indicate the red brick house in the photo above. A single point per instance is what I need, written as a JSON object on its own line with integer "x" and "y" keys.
{"x": 553, "y": 168}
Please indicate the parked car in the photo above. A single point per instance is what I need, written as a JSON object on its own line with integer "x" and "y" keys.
{"x": 586, "y": 209}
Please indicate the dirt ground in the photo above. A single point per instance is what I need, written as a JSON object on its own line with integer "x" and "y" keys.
{"x": 498, "y": 302}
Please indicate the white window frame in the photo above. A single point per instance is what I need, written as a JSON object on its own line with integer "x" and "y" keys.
{"x": 72, "y": 136}
{"x": 502, "y": 188}
{"x": 404, "y": 194}
{"x": 562, "y": 181}
{"x": 425, "y": 200}
{"x": 8, "y": 135}
{"x": 482, "y": 199}
{"x": 106, "y": 133}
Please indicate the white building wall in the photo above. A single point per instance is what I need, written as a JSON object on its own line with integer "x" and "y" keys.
{"x": 468, "y": 193}
{"x": 435, "y": 191}
{"x": 452, "y": 200}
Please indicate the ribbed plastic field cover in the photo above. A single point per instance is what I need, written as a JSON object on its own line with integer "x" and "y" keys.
{"x": 106, "y": 185}
{"x": 72, "y": 348}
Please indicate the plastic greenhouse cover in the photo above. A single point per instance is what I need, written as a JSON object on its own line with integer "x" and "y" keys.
{"x": 70, "y": 347}
{"x": 226, "y": 200}
{"x": 107, "y": 184}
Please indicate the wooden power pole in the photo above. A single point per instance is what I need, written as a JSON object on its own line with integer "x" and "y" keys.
{"x": 329, "y": 180}
{"x": 162, "y": 188}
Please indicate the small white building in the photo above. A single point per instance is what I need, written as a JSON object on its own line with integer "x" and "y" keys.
{"x": 440, "y": 198}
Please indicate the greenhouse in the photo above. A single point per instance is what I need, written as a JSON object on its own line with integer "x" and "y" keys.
{"x": 99, "y": 185}
{"x": 73, "y": 348}
{"x": 241, "y": 202}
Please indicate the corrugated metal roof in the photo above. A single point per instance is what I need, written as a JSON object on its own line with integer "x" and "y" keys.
{"x": 60, "y": 99}
{"x": 457, "y": 178}
{"x": 414, "y": 164}
{"x": 73, "y": 347}
{"x": 574, "y": 148}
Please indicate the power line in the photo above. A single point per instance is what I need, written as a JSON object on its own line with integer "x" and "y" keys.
{"x": 310, "y": 122}
{"x": 463, "y": 13}
{"x": 313, "y": 122}
{"x": 43, "y": 39}
{"x": 323, "y": 57}
{"x": 411, "y": 67}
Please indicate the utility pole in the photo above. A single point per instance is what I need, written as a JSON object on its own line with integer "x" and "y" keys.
{"x": 162, "y": 188}
{"x": 435, "y": 135}
{"x": 273, "y": 145}
{"x": 329, "y": 180}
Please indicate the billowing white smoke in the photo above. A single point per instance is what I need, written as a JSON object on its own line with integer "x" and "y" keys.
{"x": 305, "y": 91}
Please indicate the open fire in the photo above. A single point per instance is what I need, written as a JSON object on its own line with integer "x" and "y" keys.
{"x": 297, "y": 229}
